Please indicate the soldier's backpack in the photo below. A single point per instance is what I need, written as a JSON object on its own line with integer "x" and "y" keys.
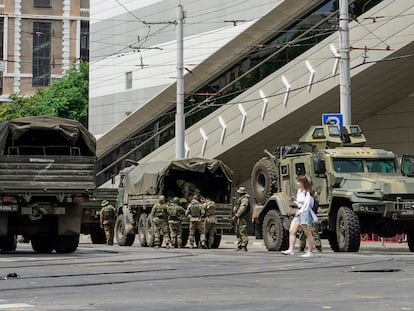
{"x": 195, "y": 209}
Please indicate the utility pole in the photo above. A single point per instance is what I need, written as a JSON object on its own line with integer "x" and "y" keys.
{"x": 179, "y": 117}
{"x": 345, "y": 75}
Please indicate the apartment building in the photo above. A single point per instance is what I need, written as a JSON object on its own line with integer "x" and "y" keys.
{"x": 39, "y": 42}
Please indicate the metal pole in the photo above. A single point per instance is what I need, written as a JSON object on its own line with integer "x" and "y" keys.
{"x": 345, "y": 76}
{"x": 179, "y": 117}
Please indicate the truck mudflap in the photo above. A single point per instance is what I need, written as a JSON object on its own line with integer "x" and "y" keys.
{"x": 392, "y": 210}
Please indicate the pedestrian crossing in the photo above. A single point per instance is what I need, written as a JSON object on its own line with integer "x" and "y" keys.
{"x": 4, "y": 305}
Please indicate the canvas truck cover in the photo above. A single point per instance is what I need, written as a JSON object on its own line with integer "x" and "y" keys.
{"x": 147, "y": 178}
{"x": 71, "y": 130}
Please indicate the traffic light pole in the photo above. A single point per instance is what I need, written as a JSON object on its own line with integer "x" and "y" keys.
{"x": 345, "y": 75}
{"x": 179, "y": 117}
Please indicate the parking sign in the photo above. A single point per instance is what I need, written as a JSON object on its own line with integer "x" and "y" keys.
{"x": 333, "y": 118}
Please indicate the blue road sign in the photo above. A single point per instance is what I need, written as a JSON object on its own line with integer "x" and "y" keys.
{"x": 333, "y": 118}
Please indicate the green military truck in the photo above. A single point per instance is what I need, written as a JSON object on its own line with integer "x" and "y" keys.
{"x": 360, "y": 189}
{"x": 141, "y": 185}
{"x": 91, "y": 211}
{"x": 47, "y": 169}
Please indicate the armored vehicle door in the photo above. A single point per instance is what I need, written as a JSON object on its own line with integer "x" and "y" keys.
{"x": 290, "y": 168}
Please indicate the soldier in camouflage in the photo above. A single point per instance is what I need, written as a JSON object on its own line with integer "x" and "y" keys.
{"x": 107, "y": 217}
{"x": 316, "y": 237}
{"x": 175, "y": 213}
{"x": 195, "y": 213}
{"x": 209, "y": 221}
{"x": 160, "y": 219}
{"x": 241, "y": 212}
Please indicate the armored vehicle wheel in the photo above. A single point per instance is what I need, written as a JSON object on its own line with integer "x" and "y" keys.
{"x": 274, "y": 234}
{"x": 333, "y": 242}
{"x": 121, "y": 236}
{"x": 347, "y": 230}
{"x": 98, "y": 236}
{"x": 43, "y": 244}
{"x": 217, "y": 240}
{"x": 263, "y": 177}
{"x": 8, "y": 243}
{"x": 142, "y": 225}
{"x": 410, "y": 241}
{"x": 66, "y": 244}
{"x": 149, "y": 231}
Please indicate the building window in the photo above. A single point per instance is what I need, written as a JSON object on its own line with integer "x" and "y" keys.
{"x": 41, "y": 54}
{"x": 128, "y": 79}
{"x": 42, "y": 3}
{"x": 84, "y": 41}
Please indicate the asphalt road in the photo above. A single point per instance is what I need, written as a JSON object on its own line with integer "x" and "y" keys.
{"x": 98, "y": 277}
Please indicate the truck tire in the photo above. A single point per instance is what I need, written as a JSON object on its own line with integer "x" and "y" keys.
{"x": 8, "y": 243}
{"x": 347, "y": 230}
{"x": 149, "y": 232}
{"x": 263, "y": 177}
{"x": 122, "y": 238}
{"x": 333, "y": 242}
{"x": 43, "y": 244}
{"x": 410, "y": 241}
{"x": 142, "y": 225}
{"x": 275, "y": 236}
{"x": 66, "y": 244}
{"x": 98, "y": 236}
{"x": 184, "y": 236}
{"x": 217, "y": 240}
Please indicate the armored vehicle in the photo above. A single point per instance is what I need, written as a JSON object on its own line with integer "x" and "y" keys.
{"x": 91, "y": 211}
{"x": 47, "y": 168}
{"x": 140, "y": 187}
{"x": 360, "y": 189}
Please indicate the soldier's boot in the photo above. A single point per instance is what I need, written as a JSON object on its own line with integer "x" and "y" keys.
{"x": 319, "y": 248}
{"x": 243, "y": 249}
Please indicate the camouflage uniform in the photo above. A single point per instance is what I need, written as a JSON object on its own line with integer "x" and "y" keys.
{"x": 195, "y": 213}
{"x": 160, "y": 220}
{"x": 107, "y": 217}
{"x": 241, "y": 213}
{"x": 316, "y": 237}
{"x": 175, "y": 213}
{"x": 210, "y": 221}
{"x": 188, "y": 189}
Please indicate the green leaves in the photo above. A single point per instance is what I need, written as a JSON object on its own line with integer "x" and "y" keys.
{"x": 65, "y": 98}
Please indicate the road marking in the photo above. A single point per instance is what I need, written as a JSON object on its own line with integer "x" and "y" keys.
{"x": 13, "y": 306}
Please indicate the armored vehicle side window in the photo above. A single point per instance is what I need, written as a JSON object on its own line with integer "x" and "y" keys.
{"x": 318, "y": 133}
{"x": 348, "y": 165}
{"x": 300, "y": 169}
{"x": 381, "y": 166}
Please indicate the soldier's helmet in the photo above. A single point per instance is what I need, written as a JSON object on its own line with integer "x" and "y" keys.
{"x": 161, "y": 199}
{"x": 241, "y": 190}
{"x": 176, "y": 200}
{"x": 195, "y": 197}
{"x": 104, "y": 203}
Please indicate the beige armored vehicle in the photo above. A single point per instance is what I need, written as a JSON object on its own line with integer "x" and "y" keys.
{"x": 360, "y": 190}
{"x": 47, "y": 169}
{"x": 141, "y": 185}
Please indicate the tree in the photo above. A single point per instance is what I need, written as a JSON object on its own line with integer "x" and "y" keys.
{"x": 65, "y": 98}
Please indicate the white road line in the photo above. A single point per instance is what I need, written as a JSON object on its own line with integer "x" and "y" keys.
{"x": 15, "y": 306}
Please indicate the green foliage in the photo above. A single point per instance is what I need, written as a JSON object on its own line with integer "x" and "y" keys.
{"x": 65, "y": 98}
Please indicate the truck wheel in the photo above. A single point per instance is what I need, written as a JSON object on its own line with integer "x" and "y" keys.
{"x": 43, "y": 244}
{"x": 217, "y": 240}
{"x": 121, "y": 236}
{"x": 263, "y": 177}
{"x": 149, "y": 231}
{"x": 142, "y": 225}
{"x": 410, "y": 241}
{"x": 347, "y": 230}
{"x": 184, "y": 236}
{"x": 8, "y": 243}
{"x": 274, "y": 234}
{"x": 98, "y": 236}
{"x": 66, "y": 244}
{"x": 333, "y": 242}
